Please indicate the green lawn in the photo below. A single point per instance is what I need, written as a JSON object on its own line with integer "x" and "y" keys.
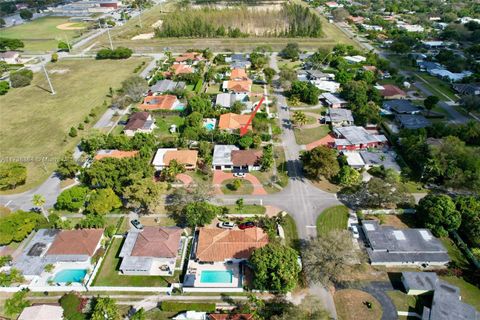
{"x": 291, "y": 232}
{"x": 257, "y": 88}
{"x": 333, "y": 218}
{"x": 163, "y": 123}
{"x": 35, "y": 123}
{"x": 42, "y": 34}
{"x": 455, "y": 254}
{"x": 247, "y": 209}
{"x": 245, "y": 188}
{"x": 306, "y": 136}
{"x": 438, "y": 86}
{"x": 109, "y": 272}
{"x": 405, "y": 302}
{"x": 213, "y": 89}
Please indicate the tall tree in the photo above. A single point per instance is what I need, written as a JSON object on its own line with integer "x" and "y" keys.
{"x": 197, "y": 214}
{"x": 145, "y": 194}
{"x": 299, "y": 118}
{"x": 39, "y": 201}
{"x": 275, "y": 268}
{"x": 430, "y": 102}
{"x": 103, "y": 201}
{"x": 325, "y": 257}
{"x": 438, "y": 213}
{"x": 105, "y": 309}
{"x": 320, "y": 162}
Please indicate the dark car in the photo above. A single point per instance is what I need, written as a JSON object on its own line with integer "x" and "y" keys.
{"x": 246, "y": 225}
{"x": 137, "y": 224}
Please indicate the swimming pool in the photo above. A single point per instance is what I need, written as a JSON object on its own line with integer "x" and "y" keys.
{"x": 70, "y": 275}
{"x": 216, "y": 276}
{"x": 209, "y": 126}
{"x": 179, "y": 107}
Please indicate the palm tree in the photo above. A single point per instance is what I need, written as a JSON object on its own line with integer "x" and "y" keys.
{"x": 299, "y": 118}
{"x": 39, "y": 201}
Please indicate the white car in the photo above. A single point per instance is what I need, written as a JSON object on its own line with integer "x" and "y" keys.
{"x": 240, "y": 174}
{"x": 226, "y": 225}
{"x": 355, "y": 233}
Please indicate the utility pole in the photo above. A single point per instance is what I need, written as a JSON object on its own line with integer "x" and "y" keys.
{"x": 48, "y": 79}
{"x": 109, "y": 38}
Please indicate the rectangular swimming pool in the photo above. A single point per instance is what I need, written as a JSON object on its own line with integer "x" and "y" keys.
{"x": 70, "y": 275}
{"x": 216, "y": 276}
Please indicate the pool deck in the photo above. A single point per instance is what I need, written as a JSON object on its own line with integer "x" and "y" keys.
{"x": 196, "y": 269}
{"x": 45, "y": 277}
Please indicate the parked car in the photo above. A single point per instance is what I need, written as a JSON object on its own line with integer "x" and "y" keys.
{"x": 137, "y": 224}
{"x": 226, "y": 225}
{"x": 355, "y": 233}
{"x": 246, "y": 225}
{"x": 240, "y": 174}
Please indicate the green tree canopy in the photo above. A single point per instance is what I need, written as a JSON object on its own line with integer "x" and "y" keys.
{"x": 17, "y": 225}
{"x": 145, "y": 194}
{"x": 320, "y": 162}
{"x": 275, "y": 268}
{"x": 105, "y": 309}
{"x": 16, "y": 303}
{"x": 103, "y": 201}
{"x": 12, "y": 174}
{"x": 439, "y": 214}
{"x": 198, "y": 214}
{"x": 469, "y": 208}
{"x": 72, "y": 199}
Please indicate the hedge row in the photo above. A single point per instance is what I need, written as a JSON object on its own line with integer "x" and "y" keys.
{"x": 173, "y": 306}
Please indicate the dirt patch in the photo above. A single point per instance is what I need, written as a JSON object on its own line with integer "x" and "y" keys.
{"x": 59, "y": 71}
{"x": 144, "y": 36}
{"x": 389, "y": 220}
{"x": 352, "y": 304}
{"x": 157, "y": 24}
{"x": 70, "y": 26}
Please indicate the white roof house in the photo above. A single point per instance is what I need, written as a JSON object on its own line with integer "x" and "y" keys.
{"x": 222, "y": 156}
{"x": 42, "y": 312}
{"x": 410, "y": 27}
{"x": 329, "y": 86}
{"x": 332, "y": 100}
{"x": 355, "y": 59}
{"x": 191, "y": 315}
{"x": 354, "y": 159}
{"x": 450, "y": 76}
{"x": 159, "y": 156}
{"x": 224, "y": 100}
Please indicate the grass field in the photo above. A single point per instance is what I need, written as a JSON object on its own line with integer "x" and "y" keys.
{"x": 35, "y": 123}
{"x": 245, "y": 188}
{"x": 247, "y": 209}
{"x": 334, "y": 218}
{"x": 350, "y": 305}
{"x": 42, "y": 34}
{"x": 306, "y": 136}
{"x": 291, "y": 232}
{"x": 109, "y": 272}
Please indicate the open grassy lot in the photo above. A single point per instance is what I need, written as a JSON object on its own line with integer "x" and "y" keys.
{"x": 291, "y": 232}
{"x": 404, "y": 302}
{"x": 42, "y": 34}
{"x": 306, "y": 136}
{"x": 245, "y": 188}
{"x": 35, "y": 123}
{"x": 109, "y": 272}
{"x": 163, "y": 123}
{"x": 247, "y": 209}
{"x": 334, "y": 218}
{"x": 350, "y": 305}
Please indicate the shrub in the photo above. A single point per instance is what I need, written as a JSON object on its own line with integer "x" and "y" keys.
{"x": 21, "y": 78}
{"x": 72, "y": 306}
{"x": 54, "y": 57}
{"x": 12, "y": 174}
{"x": 4, "y": 86}
{"x": 117, "y": 53}
{"x": 73, "y": 132}
{"x": 173, "y": 306}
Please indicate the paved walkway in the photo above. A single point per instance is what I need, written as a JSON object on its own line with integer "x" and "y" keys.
{"x": 184, "y": 178}
{"x": 220, "y": 176}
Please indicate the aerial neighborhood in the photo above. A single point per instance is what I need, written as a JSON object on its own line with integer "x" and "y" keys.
{"x": 207, "y": 160}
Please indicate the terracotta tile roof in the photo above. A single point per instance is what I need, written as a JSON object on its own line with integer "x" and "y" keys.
{"x": 187, "y": 157}
{"x": 76, "y": 242}
{"x": 233, "y": 121}
{"x": 370, "y": 68}
{"x": 239, "y": 85}
{"x": 119, "y": 154}
{"x": 194, "y": 56}
{"x": 238, "y": 74}
{"x": 225, "y": 316}
{"x": 181, "y": 68}
{"x": 215, "y": 244}
{"x": 164, "y": 102}
{"x": 159, "y": 242}
{"x": 389, "y": 90}
{"x": 137, "y": 120}
{"x": 246, "y": 157}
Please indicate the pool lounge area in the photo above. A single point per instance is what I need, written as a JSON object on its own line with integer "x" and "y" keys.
{"x": 209, "y": 123}
{"x": 216, "y": 275}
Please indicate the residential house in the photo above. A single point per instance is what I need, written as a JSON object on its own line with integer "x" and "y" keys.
{"x": 412, "y": 121}
{"x": 219, "y": 245}
{"x": 426, "y": 66}
{"x": 332, "y": 100}
{"x": 339, "y": 117}
{"x": 410, "y": 27}
{"x": 467, "y": 89}
{"x": 333, "y": 5}
{"x": 180, "y": 68}
{"x": 117, "y": 154}
{"x": 446, "y": 300}
{"x": 191, "y": 315}
{"x": 319, "y": 75}
{"x": 401, "y": 106}
{"x": 239, "y": 84}
{"x": 232, "y": 121}
{"x": 10, "y": 57}
{"x": 246, "y": 160}
{"x": 42, "y": 312}
{"x": 389, "y": 246}
{"x": 448, "y": 75}
{"x": 190, "y": 58}
{"x": 151, "y": 251}
{"x": 390, "y": 91}
{"x": 163, "y": 102}
{"x": 239, "y": 61}
{"x": 355, "y": 59}
{"x": 370, "y": 27}
{"x": 74, "y": 245}
{"x": 163, "y": 156}
{"x": 222, "y": 157}
{"x": 139, "y": 122}
{"x": 225, "y": 100}
{"x": 167, "y": 85}
{"x": 356, "y": 20}
{"x": 357, "y": 138}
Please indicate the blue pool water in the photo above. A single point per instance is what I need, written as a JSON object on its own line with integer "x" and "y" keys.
{"x": 70, "y": 275}
{"x": 214, "y": 276}
{"x": 209, "y": 126}
{"x": 179, "y": 107}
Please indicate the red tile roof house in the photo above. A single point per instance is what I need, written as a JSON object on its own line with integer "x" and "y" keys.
{"x": 163, "y": 102}
{"x": 391, "y": 91}
{"x": 232, "y": 121}
{"x": 139, "y": 122}
{"x": 239, "y": 84}
{"x": 189, "y": 58}
{"x": 246, "y": 160}
{"x": 74, "y": 245}
{"x": 118, "y": 154}
{"x": 151, "y": 251}
{"x": 219, "y": 245}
